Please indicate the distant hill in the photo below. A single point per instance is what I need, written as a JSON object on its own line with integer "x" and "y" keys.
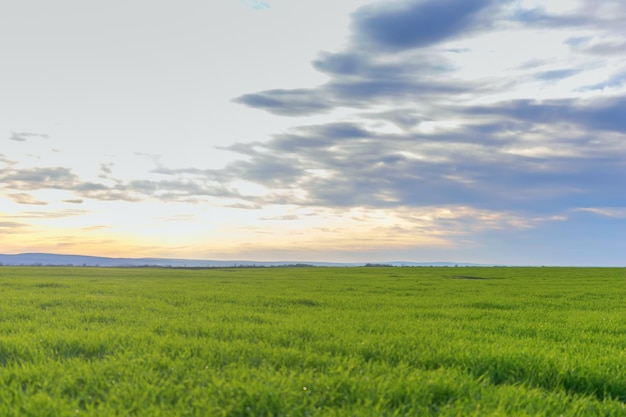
{"x": 49, "y": 259}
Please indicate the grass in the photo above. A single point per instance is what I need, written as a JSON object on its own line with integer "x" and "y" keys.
{"x": 313, "y": 342}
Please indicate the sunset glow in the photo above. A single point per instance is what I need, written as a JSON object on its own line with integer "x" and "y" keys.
{"x": 423, "y": 130}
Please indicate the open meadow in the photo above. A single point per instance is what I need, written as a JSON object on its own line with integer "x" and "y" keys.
{"x": 313, "y": 342}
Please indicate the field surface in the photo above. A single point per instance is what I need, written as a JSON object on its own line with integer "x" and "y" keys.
{"x": 313, "y": 342}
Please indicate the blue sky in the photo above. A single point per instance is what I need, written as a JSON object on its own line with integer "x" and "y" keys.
{"x": 449, "y": 130}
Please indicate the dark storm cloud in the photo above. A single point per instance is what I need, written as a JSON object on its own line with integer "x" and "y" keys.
{"x": 406, "y": 25}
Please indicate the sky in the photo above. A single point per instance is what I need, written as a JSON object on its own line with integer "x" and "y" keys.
{"x": 485, "y": 131}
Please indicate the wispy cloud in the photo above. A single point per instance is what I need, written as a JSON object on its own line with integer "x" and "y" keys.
{"x": 616, "y": 212}
{"x": 23, "y": 198}
{"x": 24, "y": 136}
{"x": 7, "y": 227}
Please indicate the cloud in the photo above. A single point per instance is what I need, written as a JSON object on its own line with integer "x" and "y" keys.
{"x": 601, "y": 114}
{"x": 420, "y": 128}
{"x": 106, "y": 169}
{"x": 436, "y": 142}
{"x": 24, "y": 136}
{"x": 180, "y": 190}
{"x": 187, "y": 185}
{"x": 587, "y": 14}
{"x": 398, "y": 26}
{"x": 557, "y": 74}
{"x": 540, "y": 17}
{"x": 281, "y": 218}
{"x": 615, "y": 212}
{"x": 23, "y": 198}
{"x": 371, "y": 72}
{"x": 345, "y": 165}
{"x": 11, "y": 227}
{"x": 29, "y": 179}
{"x": 288, "y": 102}
{"x": 615, "y": 81}
{"x": 56, "y": 214}
{"x": 364, "y": 85}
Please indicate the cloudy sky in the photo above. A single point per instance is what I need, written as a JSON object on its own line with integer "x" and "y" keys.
{"x": 427, "y": 130}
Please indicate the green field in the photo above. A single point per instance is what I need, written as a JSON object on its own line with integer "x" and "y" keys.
{"x": 313, "y": 342}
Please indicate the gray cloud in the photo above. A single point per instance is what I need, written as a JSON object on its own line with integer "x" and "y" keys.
{"x": 509, "y": 155}
{"x": 557, "y": 74}
{"x": 590, "y": 14}
{"x": 365, "y": 87}
{"x": 280, "y": 218}
{"x": 518, "y": 155}
{"x": 367, "y": 73}
{"x": 181, "y": 188}
{"x": 38, "y": 178}
{"x": 49, "y": 214}
{"x": 606, "y": 48}
{"x": 24, "y": 136}
{"x": 486, "y": 166}
{"x": 23, "y": 198}
{"x": 406, "y": 25}
{"x": 540, "y": 17}
{"x": 371, "y": 73}
{"x": 106, "y": 169}
{"x": 7, "y": 228}
{"x": 606, "y": 114}
{"x": 288, "y": 102}
{"x": 589, "y": 45}
{"x": 614, "y": 81}
{"x": 366, "y": 65}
